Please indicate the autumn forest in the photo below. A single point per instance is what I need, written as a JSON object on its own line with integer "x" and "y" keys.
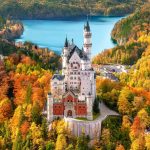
{"x": 25, "y": 73}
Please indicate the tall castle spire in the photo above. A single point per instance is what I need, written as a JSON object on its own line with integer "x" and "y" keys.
{"x": 65, "y": 55}
{"x": 87, "y": 26}
{"x": 66, "y": 42}
{"x": 87, "y": 39}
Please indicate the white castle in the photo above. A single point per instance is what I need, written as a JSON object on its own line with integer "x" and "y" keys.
{"x": 73, "y": 92}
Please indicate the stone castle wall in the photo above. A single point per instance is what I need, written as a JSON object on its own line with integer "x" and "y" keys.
{"x": 91, "y": 128}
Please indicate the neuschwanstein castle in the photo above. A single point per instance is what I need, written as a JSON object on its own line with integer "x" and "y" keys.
{"x": 73, "y": 92}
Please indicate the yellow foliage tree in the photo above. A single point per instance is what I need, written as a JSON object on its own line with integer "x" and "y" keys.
{"x": 61, "y": 143}
{"x": 138, "y": 144}
{"x": 120, "y": 147}
{"x": 36, "y": 136}
{"x": 144, "y": 117}
{"x": 15, "y": 122}
{"x": 147, "y": 139}
{"x": 125, "y": 122}
{"x": 124, "y": 106}
{"x": 5, "y": 109}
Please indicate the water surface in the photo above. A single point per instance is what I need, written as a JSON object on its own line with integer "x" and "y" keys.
{"x": 52, "y": 33}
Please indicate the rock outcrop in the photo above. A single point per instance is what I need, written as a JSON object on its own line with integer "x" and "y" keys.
{"x": 12, "y": 30}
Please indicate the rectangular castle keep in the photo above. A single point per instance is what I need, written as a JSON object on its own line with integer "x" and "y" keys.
{"x": 73, "y": 92}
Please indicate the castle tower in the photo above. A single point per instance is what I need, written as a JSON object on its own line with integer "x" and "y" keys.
{"x": 65, "y": 55}
{"x": 87, "y": 40}
{"x": 89, "y": 103}
{"x": 49, "y": 108}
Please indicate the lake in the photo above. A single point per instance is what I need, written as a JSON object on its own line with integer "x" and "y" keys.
{"x": 52, "y": 33}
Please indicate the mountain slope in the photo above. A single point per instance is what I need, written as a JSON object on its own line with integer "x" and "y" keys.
{"x": 46, "y": 9}
{"x": 132, "y": 27}
{"x": 133, "y": 36}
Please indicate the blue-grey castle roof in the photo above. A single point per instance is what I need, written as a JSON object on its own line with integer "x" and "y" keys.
{"x": 80, "y": 52}
{"x": 58, "y": 76}
{"x": 87, "y": 26}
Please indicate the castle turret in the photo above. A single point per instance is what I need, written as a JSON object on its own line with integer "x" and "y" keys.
{"x": 49, "y": 108}
{"x": 65, "y": 55}
{"x": 89, "y": 103}
{"x": 87, "y": 40}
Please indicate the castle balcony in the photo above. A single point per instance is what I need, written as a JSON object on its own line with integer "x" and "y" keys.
{"x": 88, "y": 45}
{"x": 87, "y": 34}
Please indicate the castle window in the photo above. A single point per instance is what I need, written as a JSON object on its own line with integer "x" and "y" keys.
{"x": 78, "y": 72}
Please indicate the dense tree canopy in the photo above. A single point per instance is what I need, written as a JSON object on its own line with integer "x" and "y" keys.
{"x": 45, "y": 9}
{"x": 131, "y": 95}
{"x": 24, "y": 83}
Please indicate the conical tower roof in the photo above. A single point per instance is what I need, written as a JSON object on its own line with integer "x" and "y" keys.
{"x": 87, "y": 26}
{"x": 66, "y": 43}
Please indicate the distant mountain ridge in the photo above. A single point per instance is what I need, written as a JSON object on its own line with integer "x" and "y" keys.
{"x": 47, "y": 9}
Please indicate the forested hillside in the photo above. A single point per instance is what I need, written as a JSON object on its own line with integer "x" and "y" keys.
{"x": 134, "y": 27}
{"x": 24, "y": 84}
{"x": 133, "y": 35}
{"x": 131, "y": 95}
{"x": 45, "y": 9}
{"x": 25, "y": 73}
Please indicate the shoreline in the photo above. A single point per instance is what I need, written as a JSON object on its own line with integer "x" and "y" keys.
{"x": 70, "y": 18}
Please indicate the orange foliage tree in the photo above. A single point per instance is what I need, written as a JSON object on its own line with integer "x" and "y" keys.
{"x": 5, "y": 109}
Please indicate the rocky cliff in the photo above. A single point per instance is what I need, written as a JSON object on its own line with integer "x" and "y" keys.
{"x": 11, "y": 30}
